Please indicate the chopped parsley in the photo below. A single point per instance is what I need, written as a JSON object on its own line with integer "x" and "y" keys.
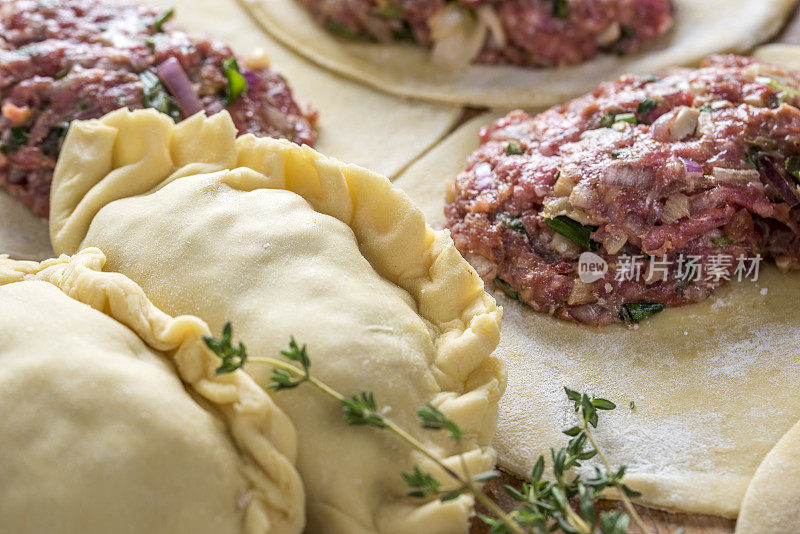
{"x": 513, "y": 148}
{"x": 390, "y": 11}
{"x": 574, "y": 231}
{"x": 616, "y": 154}
{"x": 157, "y": 97}
{"x": 514, "y": 223}
{"x": 793, "y": 167}
{"x": 646, "y": 106}
{"x": 625, "y": 117}
{"x": 162, "y": 18}
{"x": 722, "y": 241}
{"x": 560, "y": 9}
{"x": 607, "y": 120}
{"x": 18, "y": 136}
{"x": 507, "y": 289}
{"x": 62, "y": 73}
{"x": 636, "y": 312}
{"x": 237, "y": 84}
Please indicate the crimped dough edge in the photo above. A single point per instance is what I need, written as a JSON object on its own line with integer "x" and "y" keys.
{"x": 390, "y": 230}
{"x": 262, "y": 433}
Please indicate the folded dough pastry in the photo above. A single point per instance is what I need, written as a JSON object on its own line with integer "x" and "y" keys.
{"x": 114, "y": 420}
{"x": 282, "y": 241}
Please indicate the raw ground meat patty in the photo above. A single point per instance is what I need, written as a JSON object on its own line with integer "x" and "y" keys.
{"x": 531, "y": 33}
{"x": 62, "y": 60}
{"x": 694, "y": 175}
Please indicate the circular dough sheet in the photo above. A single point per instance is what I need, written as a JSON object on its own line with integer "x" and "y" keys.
{"x": 701, "y": 28}
{"x": 714, "y": 384}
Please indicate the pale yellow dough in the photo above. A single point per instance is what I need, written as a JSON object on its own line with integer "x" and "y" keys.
{"x": 772, "y": 501}
{"x": 283, "y": 241}
{"x": 702, "y": 27}
{"x": 114, "y": 420}
{"x": 714, "y": 384}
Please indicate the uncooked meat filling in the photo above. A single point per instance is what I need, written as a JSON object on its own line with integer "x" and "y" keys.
{"x": 649, "y": 192}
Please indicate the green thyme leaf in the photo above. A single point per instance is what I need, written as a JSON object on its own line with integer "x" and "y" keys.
{"x": 61, "y": 74}
{"x": 646, "y": 106}
{"x": 162, "y": 18}
{"x": 572, "y": 431}
{"x": 572, "y": 394}
{"x": 574, "y": 231}
{"x": 362, "y": 410}
{"x": 281, "y": 379}
{"x": 513, "y": 148}
{"x": 432, "y": 418}
{"x": 636, "y": 312}
{"x": 237, "y": 84}
{"x": 538, "y": 470}
{"x": 603, "y": 404}
{"x": 232, "y": 357}
{"x": 422, "y": 484}
{"x": 632, "y": 405}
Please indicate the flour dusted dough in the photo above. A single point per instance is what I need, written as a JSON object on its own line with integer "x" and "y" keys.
{"x": 23, "y": 235}
{"x": 702, "y": 27}
{"x": 114, "y": 421}
{"x": 772, "y": 501}
{"x": 283, "y": 241}
{"x": 714, "y": 384}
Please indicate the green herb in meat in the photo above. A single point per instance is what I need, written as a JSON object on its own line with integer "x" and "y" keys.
{"x": 514, "y": 223}
{"x": 157, "y": 97}
{"x": 792, "y": 166}
{"x": 574, "y": 231}
{"x": 162, "y": 18}
{"x": 506, "y": 288}
{"x": 237, "y": 84}
{"x": 390, "y": 11}
{"x": 646, "y": 106}
{"x": 636, "y": 312}
{"x": 513, "y": 148}
{"x": 560, "y": 9}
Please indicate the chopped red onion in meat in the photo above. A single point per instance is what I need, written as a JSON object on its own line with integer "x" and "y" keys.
{"x": 180, "y": 87}
{"x": 251, "y": 77}
{"x": 692, "y": 167}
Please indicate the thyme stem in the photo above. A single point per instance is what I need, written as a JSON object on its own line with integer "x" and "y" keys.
{"x": 411, "y": 440}
{"x": 623, "y": 497}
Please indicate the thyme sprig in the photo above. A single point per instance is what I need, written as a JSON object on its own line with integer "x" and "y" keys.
{"x": 566, "y": 502}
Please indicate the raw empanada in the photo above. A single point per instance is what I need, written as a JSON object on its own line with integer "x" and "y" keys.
{"x": 283, "y": 241}
{"x": 114, "y": 420}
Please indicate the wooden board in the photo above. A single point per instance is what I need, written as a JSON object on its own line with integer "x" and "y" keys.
{"x": 661, "y": 522}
